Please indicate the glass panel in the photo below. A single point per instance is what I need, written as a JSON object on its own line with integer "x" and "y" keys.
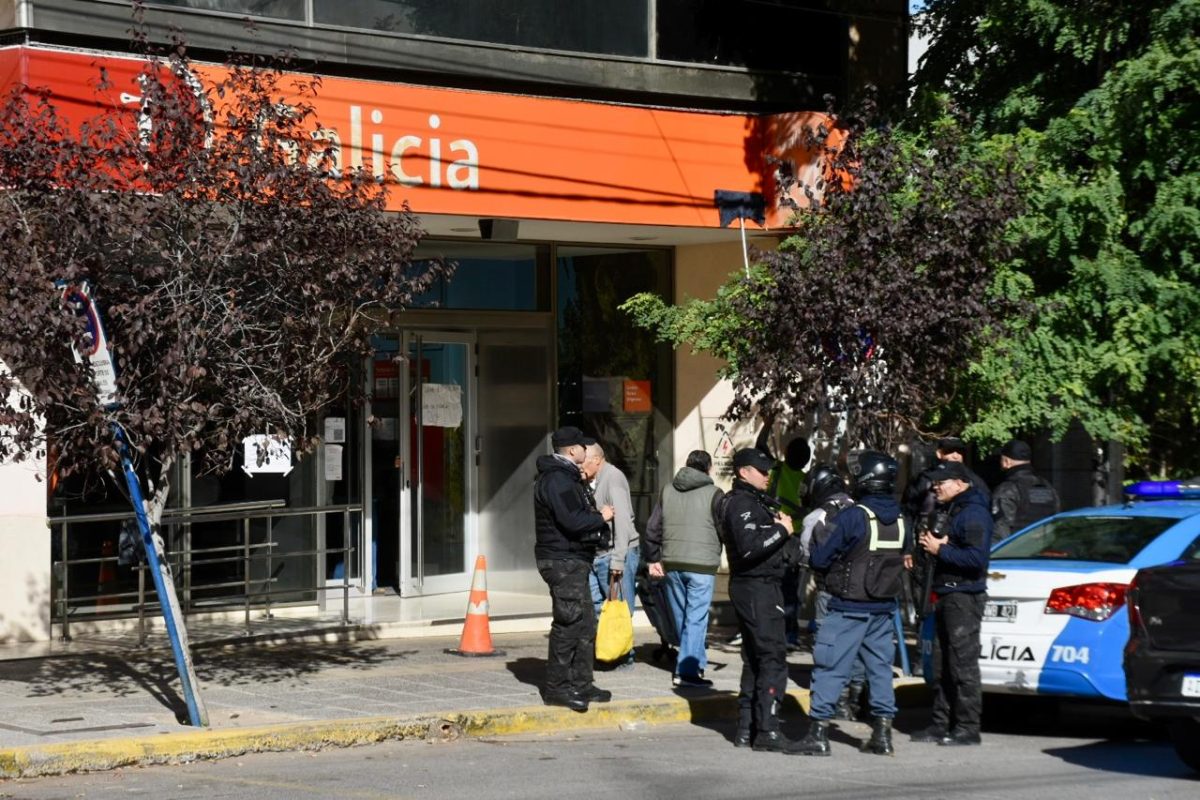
{"x": 614, "y": 380}
{"x": 784, "y": 35}
{"x": 438, "y": 409}
{"x": 279, "y": 9}
{"x": 385, "y": 460}
{"x": 513, "y": 366}
{"x": 615, "y": 27}
{"x": 496, "y": 277}
{"x": 1112, "y": 540}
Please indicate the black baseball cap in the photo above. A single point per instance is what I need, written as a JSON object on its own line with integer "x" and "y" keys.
{"x": 952, "y": 444}
{"x": 948, "y": 471}
{"x": 1017, "y": 450}
{"x": 752, "y": 457}
{"x": 570, "y": 435}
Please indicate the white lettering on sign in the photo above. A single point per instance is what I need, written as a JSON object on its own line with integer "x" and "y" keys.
{"x": 263, "y": 454}
{"x": 410, "y": 159}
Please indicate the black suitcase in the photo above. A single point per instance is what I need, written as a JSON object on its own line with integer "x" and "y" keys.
{"x": 652, "y": 592}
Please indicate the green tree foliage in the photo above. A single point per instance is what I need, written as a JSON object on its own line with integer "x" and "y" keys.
{"x": 1105, "y": 98}
{"x": 883, "y": 295}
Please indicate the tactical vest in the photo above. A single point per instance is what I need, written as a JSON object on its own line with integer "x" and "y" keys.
{"x": 873, "y": 570}
{"x": 1038, "y": 501}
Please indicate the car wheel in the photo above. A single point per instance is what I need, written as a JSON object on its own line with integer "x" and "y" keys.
{"x": 1185, "y": 735}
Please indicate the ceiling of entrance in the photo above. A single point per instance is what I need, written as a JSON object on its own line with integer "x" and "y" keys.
{"x": 535, "y": 230}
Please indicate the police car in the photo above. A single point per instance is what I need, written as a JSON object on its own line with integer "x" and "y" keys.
{"x": 1055, "y": 621}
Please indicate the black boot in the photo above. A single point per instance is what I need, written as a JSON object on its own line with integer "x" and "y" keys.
{"x": 816, "y": 741}
{"x": 742, "y": 737}
{"x": 842, "y": 709}
{"x": 774, "y": 742}
{"x": 880, "y": 742}
{"x": 854, "y": 698}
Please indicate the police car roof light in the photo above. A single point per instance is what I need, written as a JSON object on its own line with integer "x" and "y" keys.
{"x": 1164, "y": 490}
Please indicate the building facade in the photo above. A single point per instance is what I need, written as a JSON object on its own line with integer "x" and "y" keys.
{"x": 565, "y": 155}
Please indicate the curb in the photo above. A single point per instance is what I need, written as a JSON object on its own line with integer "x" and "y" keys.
{"x": 107, "y": 754}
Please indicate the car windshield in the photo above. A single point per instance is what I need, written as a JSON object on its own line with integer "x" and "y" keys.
{"x": 1109, "y": 540}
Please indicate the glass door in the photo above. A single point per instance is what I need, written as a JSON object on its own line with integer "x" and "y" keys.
{"x": 437, "y": 463}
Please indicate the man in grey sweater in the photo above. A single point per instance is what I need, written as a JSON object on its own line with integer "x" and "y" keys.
{"x": 611, "y": 488}
{"x": 682, "y": 542}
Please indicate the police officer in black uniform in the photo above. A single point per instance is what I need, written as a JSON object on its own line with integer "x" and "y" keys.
{"x": 1022, "y": 498}
{"x": 568, "y": 529}
{"x": 960, "y": 584}
{"x": 760, "y": 547}
{"x": 863, "y": 558}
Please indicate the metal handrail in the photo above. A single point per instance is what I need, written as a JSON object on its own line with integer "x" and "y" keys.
{"x": 183, "y": 560}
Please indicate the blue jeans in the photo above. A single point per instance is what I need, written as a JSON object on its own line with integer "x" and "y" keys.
{"x": 844, "y": 637}
{"x": 690, "y": 595}
{"x": 598, "y": 578}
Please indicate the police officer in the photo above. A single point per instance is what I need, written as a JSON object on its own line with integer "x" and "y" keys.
{"x": 1022, "y": 498}
{"x": 863, "y": 557}
{"x": 960, "y": 583}
{"x": 760, "y": 546}
{"x": 826, "y": 493}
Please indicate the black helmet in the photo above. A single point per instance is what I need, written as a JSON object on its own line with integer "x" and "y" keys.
{"x": 872, "y": 472}
{"x": 823, "y": 482}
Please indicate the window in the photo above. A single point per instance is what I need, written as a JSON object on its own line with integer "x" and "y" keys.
{"x": 488, "y": 277}
{"x": 614, "y": 379}
{"x": 277, "y": 9}
{"x": 1109, "y": 540}
{"x": 759, "y": 34}
{"x": 612, "y": 27}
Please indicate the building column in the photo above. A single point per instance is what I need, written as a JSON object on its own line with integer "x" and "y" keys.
{"x": 25, "y": 544}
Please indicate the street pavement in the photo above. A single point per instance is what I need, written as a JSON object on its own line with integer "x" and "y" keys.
{"x": 1086, "y": 755}
{"x": 102, "y": 710}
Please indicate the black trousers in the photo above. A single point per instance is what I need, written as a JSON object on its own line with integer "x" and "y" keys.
{"x": 573, "y": 629}
{"x": 958, "y": 693}
{"x": 759, "y": 606}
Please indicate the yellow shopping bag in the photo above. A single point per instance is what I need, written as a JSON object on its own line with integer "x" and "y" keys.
{"x": 614, "y": 632}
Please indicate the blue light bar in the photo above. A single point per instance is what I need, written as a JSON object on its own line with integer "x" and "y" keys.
{"x": 1164, "y": 490}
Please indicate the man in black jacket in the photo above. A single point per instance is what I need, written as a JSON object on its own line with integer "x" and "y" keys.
{"x": 1022, "y": 498}
{"x": 960, "y": 584}
{"x": 568, "y": 530}
{"x": 760, "y": 547}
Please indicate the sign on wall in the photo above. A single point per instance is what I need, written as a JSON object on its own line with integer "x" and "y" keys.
{"x": 263, "y": 454}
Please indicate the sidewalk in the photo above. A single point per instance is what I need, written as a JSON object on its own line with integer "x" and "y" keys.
{"x": 102, "y": 710}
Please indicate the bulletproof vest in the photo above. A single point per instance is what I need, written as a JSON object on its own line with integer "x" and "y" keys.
{"x": 1038, "y": 500}
{"x": 872, "y": 571}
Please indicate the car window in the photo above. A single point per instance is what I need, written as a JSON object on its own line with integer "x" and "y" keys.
{"x": 1192, "y": 553}
{"x": 1109, "y": 540}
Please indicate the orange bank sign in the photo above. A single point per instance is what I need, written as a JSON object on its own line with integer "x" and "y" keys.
{"x": 447, "y": 151}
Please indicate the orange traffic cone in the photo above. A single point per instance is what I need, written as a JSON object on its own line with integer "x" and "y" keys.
{"x": 106, "y": 582}
{"x": 477, "y": 636}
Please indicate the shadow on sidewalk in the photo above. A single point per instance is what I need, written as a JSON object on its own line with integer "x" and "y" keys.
{"x": 120, "y": 676}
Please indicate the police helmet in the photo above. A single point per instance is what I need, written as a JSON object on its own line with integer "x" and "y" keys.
{"x": 823, "y": 482}
{"x": 872, "y": 472}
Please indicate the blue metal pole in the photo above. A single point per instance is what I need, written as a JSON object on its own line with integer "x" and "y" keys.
{"x": 165, "y": 589}
{"x": 905, "y": 666}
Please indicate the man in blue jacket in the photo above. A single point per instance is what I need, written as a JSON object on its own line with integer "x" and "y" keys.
{"x": 960, "y": 584}
{"x": 863, "y": 560}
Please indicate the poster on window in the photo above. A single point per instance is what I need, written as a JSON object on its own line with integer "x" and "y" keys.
{"x": 441, "y": 405}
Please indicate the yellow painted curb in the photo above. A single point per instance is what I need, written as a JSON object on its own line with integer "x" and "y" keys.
{"x": 106, "y": 754}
